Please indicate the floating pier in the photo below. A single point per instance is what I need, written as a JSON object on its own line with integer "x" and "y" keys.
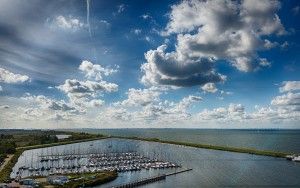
{"x": 149, "y": 180}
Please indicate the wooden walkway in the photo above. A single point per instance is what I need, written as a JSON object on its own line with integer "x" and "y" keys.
{"x": 149, "y": 180}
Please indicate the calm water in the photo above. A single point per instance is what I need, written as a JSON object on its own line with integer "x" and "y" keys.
{"x": 210, "y": 168}
{"x": 277, "y": 140}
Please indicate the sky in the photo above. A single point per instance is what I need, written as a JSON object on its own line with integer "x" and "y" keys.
{"x": 150, "y": 64}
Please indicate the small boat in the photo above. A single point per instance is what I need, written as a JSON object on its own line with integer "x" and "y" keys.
{"x": 296, "y": 159}
{"x": 290, "y": 157}
{"x": 293, "y": 157}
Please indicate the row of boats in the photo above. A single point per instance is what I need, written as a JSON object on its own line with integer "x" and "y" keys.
{"x": 121, "y": 162}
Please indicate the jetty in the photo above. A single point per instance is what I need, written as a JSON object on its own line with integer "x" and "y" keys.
{"x": 149, "y": 179}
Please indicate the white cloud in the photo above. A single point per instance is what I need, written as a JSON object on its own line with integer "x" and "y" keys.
{"x": 111, "y": 113}
{"x": 268, "y": 44}
{"x": 226, "y": 92}
{"x": 173, "y": 69}
{"x": 86, "y": 88}
{"x": 85, "y": 94}
{"x": 39, "y": 109}
{"x": 121, "y": 8}
{"x": 47, "y": 103}
{"x": 106, "y": 23}
{"x": 289, "y": 86}
{"x": 185, "y": 103}
{"x": 145, "y": 108}
{"x": 141, "y": 97}
{"x": 1, "y": 88}
{"x": 95, "y": 71}
{"x": 263, "y": 62}
{"x": 283, "y": 109}
{"x": 209, "y": 87}
{"x": 146, "y": 16}
{"x": 208, "y": 31}
{"x": 234, "y": 112}
{"x": 152, "y": 111}
{"x": 4, "y": 106}
{"x": 66, "y": 23}
{"x": 148, "y": 39}
{"x": 289, "y": 100}
{"x": 12, "y": 78}
{"x": 137, "y": 31}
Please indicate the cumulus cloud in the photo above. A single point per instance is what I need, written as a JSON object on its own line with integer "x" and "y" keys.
{"x": 288, "y": 101}
{"x": 4, "y": 106}
{"x": 275, "y": 115}
{"x": 137, "y": 31}
{"x": 282, "y": 109}
{"x": 66, "y": 23}
{"x": 146, "y": 16}
{"x": 104, "y": 22}
{"x": 141, "y": 97}
{"x": 86, "y": 93}
{"x": 86, "y": 88}
{"x": 38, "y": 109}
{"x": 111, "y": 113}
{"x": 47, "y": 103}
{"x": 172, "y": 69}
{"x": 208, "y": 31}
{"x": 209, "y": 87}
{"x": 152, "y": 111}
{"x": 169, "y": 112}
{"x": 120, "y": 8}
{"x": 224, "y": 15}
{"x": 234, "y": 112}
{"x": 289, "y": 86}
{"x": 187, "y": 101}
{"x": 12, "y": 78}
{"x": 95, "y": 71}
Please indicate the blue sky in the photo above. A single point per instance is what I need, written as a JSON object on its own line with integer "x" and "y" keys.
{"x": 108, "y": 64}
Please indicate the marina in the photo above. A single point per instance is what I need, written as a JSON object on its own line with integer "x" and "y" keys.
{"x": 210, "y": 167}
{"x": 92, "y": 162}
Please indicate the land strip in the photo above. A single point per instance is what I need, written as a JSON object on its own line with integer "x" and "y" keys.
{"x": 212, "y": 147}
{"x": 6, "y": 160}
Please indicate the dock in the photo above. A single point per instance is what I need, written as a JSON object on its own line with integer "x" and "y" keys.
{"x": 149, "y": 179}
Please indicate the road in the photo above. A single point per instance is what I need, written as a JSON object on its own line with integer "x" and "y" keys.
{"x": 6, "y": 160}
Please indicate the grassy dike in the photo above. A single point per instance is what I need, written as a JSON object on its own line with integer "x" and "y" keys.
{"x": 90, "y": 179}
{"x": 213, "y": 147}
{"x": 6, "y": 171}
